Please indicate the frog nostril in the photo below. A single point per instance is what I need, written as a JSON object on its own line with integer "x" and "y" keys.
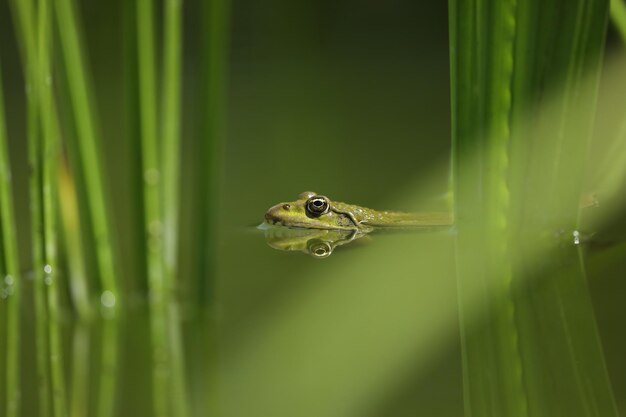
{"x": 286, "y": 206}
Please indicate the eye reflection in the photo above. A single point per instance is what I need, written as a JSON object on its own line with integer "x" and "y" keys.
{"x": 320, "y": 249}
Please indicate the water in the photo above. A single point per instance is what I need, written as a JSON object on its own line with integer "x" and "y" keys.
{"x": 360, "y": 333}
{"x": 372, "y": 330}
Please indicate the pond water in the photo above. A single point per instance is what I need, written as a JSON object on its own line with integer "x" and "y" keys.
{"x": 372, "y": 330}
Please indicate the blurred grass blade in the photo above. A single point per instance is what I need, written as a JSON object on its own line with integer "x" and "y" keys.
{"x": 171, "y": 143}
{"x": 482, "y": 48}
{"x": 618, "y": 15}
{"x": 70, "y": 229}
{"x": 24, "y": 20}
{"x": 3, "y": 343}
{"x": 80, "y": 370}
{"x": 108, "y": 377}
{"x": 519, "y": 151}
{"x": 153, "y": 200}
{"x": 171, "y": 132}
{"x": 12, "y": 278}
{"x": 216, "y": 15}
{"x": 49, "y": 161}
{"x": 88, "y": 147}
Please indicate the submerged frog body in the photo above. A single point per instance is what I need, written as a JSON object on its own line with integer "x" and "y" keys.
{"x": 314, "y": 211}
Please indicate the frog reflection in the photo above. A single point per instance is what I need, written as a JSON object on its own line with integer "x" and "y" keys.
{"x": 317, "y": 243}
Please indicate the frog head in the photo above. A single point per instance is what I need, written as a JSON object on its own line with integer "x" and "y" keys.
{"x": 311, "y": 211}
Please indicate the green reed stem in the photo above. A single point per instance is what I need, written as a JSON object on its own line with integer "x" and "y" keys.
{"x": 51, "y": 154}
{"x": 180, "y": 400}
{"x": 618, "y": 16}
{"x": 71, "y": 236}
{"x": 152, "y": 194}
{"x": 12, "y": 279}
{"x": 216, "y": 15}
{"x": 517, "y": 143}
{"x": 171, "y": 132}
{"x": 25, "y": 23}
{"x": 110, "y": 328}
{"x": 482, "y": 47}
{"x": 88, "y": 147}
{"x": 80, "y": 370}
{"x": 24, "y": 20}
{"x": 171, "y": 170}
{"x": 41, "y": 309}
{"x": 3, "y": 341}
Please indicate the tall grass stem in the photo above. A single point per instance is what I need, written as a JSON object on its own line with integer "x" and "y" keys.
{"x": 24, "y": 20}
{"x": 170, "y": 129}
{"x": 49, "y": 161}
{"x": 89, "y": 144}
{"x": 152, "y": 194}
{"x": 12, "y": 278}
{"x": 171, "y": 143}
{"x": 110, "y": 329}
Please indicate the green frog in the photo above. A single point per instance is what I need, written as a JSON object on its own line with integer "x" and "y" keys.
{"x": 315, "y": 211}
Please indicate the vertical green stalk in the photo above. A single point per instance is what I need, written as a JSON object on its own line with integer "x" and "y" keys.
{"x": 171, "y": 113}
{"x": 24, "y": 20}
{"x": 88, "y": 147}
{"x": 37, "y": 244}
{"x": 13, "y": 278}
{"x": 71, "y": 236}
{"x": 50, "y": 157}
{"x": 80, "y": 371}
{"x": 108, "y": 367}
{"x": 217, "y": 17}
{"x": 3, "y": 340}
{"x": 481, "y": 36}
{"x": 524, "y": 75}
{"x": 171, "y": 133}
{"x": 152, "y": 194}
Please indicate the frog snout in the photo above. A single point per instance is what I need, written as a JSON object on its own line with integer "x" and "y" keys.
{"x": 269, "y": 217}
{"x": 273, "y": 215}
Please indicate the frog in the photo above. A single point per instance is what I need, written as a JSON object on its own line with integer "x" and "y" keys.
{"x": 316, "y": 211}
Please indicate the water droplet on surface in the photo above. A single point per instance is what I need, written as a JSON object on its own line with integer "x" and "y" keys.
{"x": 8, "y": 280}
{"x": 107, "y": 299}
{"x": 47, "y": 269}
{"x": 576, "y": 235}
{"x": 151, "y": 176}
{"x": 48, "y": 280}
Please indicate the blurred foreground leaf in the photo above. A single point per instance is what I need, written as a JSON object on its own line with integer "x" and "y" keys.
{"x": 524, "y": 81}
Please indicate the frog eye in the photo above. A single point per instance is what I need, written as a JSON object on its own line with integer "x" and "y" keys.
{"x": 317, "y": 205}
